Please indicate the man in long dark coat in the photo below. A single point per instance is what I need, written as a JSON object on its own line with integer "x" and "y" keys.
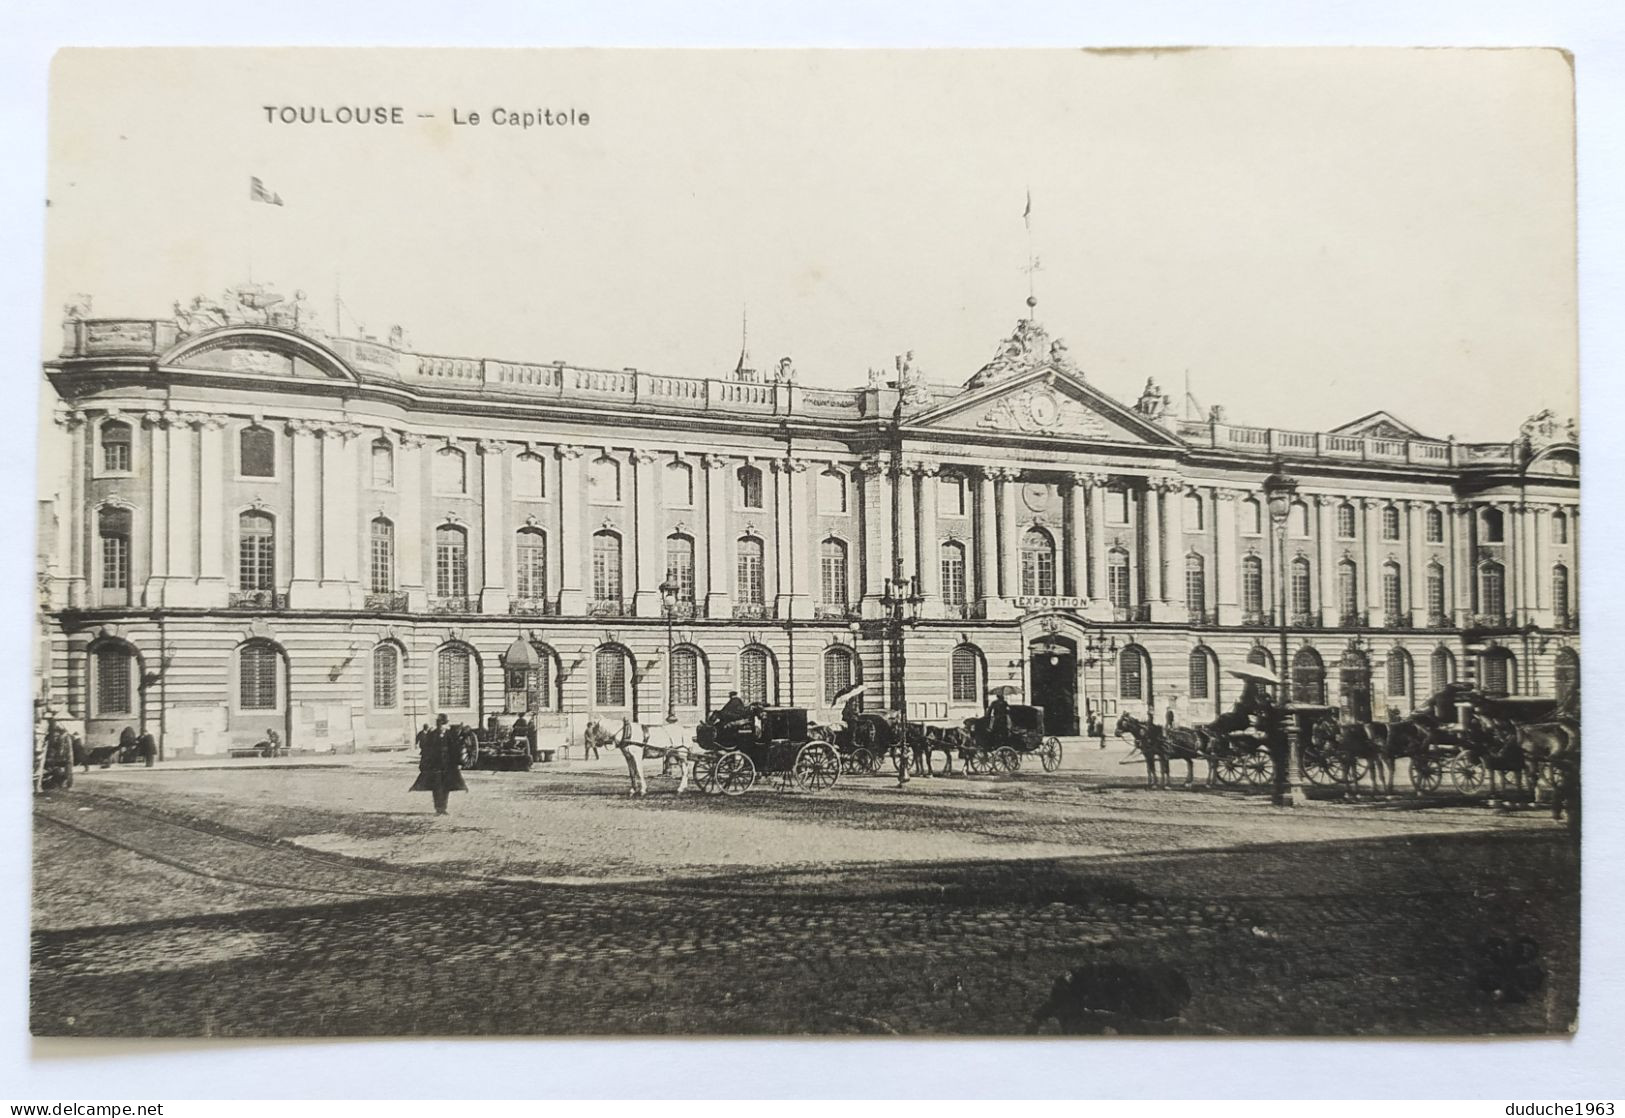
{"x": 440, "y": 765}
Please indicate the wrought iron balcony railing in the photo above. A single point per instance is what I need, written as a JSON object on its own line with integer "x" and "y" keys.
{"x": 680, "y": 611}
{"x": 1198, "y": 616}
{"x": 1351, "y": 619}
{"x": 751, "y": 611}
{"x": 534, "y": 607}
{"x": 1400, "y": 620}
{"x": 1258, "y": 618}
{"x": 386, "y": 601}
{"x": 606, "y": 607}
{"x": 451, "y": 603}
{"x": 1307, "y": 619}
{"x": 835, "y": 611}
{"x": 1440, "y": 621}
{"x": 956, "y": 609}
{"x": 257, "y": 599}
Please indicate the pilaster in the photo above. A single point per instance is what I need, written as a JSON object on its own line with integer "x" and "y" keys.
{"x": 409, "y": 530}
{"x": 987, "y": 547}
{"x": 650, "y": 539}
{"x": 495, "y": 534}
{"x": 574, "y": 548}
{"x": 1227, "y": 603}
{"x": 1326, "y": 561}
{"x": 1100, "y": 608}
{"x": 930, "y": 560}
{"x": 719, "y": 598}
{"x": 877, "y": 533}
{"x": 1172, "y": 605}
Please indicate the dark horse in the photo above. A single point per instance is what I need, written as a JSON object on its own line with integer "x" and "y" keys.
{"x": 1157, "y": 746}
{"x": 881, "y": 734}
{"x": 1377, "y": 747}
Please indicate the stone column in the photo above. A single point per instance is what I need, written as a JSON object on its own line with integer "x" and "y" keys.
{"x": 1416, "y": 589}
{"x": 803, "y": 554}
{"x": 987, "y": 546}
{"x": 409, "y": 531}
{"x": 1173, "y": 552}
{"x": 495, "y": 535}
{"x": 1227, "y": 604}
{"x": 1461, "y": 567}
{"x": 1370, "y": 541}
{"x": 907, "y": 530}
{"x": 304, "y": 590}
{"x": 1077, "y": 549}
{"x": 650, "y": 539}
{"x": 1151, "y": 537}
{"x": 719, "y": 596}
{"x": 783, "y": 555}
{"x": 1524, "y": 538}
{"x": 930, "y": 558}
{"x": 1331, "y": 608}
{"x": 877, "y": 533}
{"x": 1099, "y": 591}
{"x": 1005, "y": 481}
{"x": 73, "y": 567}
{"x": 574, "y": 546}
{"x": 182, "y": 505}
{"x": 157, "y": 528}
{"x": 1540, "y": 529}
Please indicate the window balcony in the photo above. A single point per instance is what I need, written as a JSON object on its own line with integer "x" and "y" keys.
{"x": 1564, "y": 621}
{"x": 534, "y": 607}
{"x": 1198, "y": 616}
{"x": 956, "y": 609}
{"x": 257, "y": 599}
{"x": 1489, "y": 621}
{"x": 1400, "y": 620}
{"x": 751, "y": 611}
{"x": 680, "y": 611}
{"x": 839, "y": 611}
{"x": 1440, "y": 621}
{"x": 1307, "y": 619}
{"x": 451, "y": 603}
{"x": 606, "y": 607}
{"x": 1258, "y": 618}
{"x": 391, "y": 601}
{"x": 1351, "y": 619}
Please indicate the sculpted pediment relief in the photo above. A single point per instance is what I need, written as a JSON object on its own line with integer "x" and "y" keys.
{"x": 1039, "y": 407}
{"x": 244, "y": 359}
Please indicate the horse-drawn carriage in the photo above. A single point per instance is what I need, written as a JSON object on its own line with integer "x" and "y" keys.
{"x": 997, "y": 743}
{"x": 493, "y": 747}
{"x": 776, "y": 741}
{"x": 1473, "y": 736}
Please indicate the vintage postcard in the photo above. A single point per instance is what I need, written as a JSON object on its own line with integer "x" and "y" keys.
{"x": 808, "y": 542}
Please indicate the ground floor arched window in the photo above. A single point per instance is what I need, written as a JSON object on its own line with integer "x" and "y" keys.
{"x": 965, "y": 676}
{"x": 838, "y": 673}
{"x": 1308, "y": 677}
{"x": 756, "y": 675}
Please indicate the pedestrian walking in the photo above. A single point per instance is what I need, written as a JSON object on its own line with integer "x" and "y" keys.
{"x": 439, "y": 765}
{"x": 81, "y": 757}
{"x": 632, "y": 752}
{"x": 589, "y": 742}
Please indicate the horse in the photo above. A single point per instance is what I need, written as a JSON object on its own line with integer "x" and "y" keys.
{"x": 1354, "y": 742}
{"x": 924, "y": 740}
{"x": 1553, "y": 748}
{"x": 1157, "y": 746}
{"x": 882, "y": 733}
{"x": 665, "y": 742}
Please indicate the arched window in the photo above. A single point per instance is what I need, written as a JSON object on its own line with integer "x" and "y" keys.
{"x": 609, "y": 676}
{"x": 386, "y": 666}
{"x": 454, "y": 677}
{"x": 383, "y": 464}
{"x": 838, "y": 674}
{"x": 256, "y": 551}
{"x": 450, "y": 472}
{"x": 831, "y": 491}
{"x": 1560, "y": 527}
{"x": 757, "y": 682}
{"x": 1037, "y": 564}
{"x": 1436, "y": 611}
{"x": 1252, "y": 585}
{"x": 685, "y": 677}
{"x": 1443, "y": 667}
{"x": 1196, "y": 584}
{"x": 1492, "y": 600}
{"x": 832, "y": 568}
{"x": 115, "y": 665}
{"x": 1195, "y": 521}
{"x": 952, "y": 496}
{"x": 256, "y": 452}
{"x": 606, "y": 567}
{"x": 113, "y": 528}
{"x": 1399, "y": 676}
{"x": 965, "y": 675}
{"x": 1308, "y": 677}
{"x": 1202, "y": 672}
{"x": 1566, "y": 676}
{"x": 1131, "y": 674}
{"x": 1497, "y": 671}
{"x": 1298, "y": 520}
{"x": 1390, "y": 522}
{"x": 1392, "y": 595}
{"x": 749, "y": 487}
{"x": 749, "y": 586}
{"x": 1434, "y": 519}
{"x": 1348, "y": 592}
{"x": 1252, "y": 517}
{"x": 450, "y": 561}
{"x": 1302, "y": 600}
{"x": 530, "y": 565}
{"x": 1117, "y": 577}
{"x": 381, "y": 557}
{"x": 257, "y": 671}
{"x": 953, "y": 573}
{"x": 679, "y": 485}
{"x": 1345, "y": 521}
{"x": 1261, "y": 656}
{"x": 604, "y": 481}
{"x": 1492, "y": 522}
{"x": 1560, "y": 594}
{"x": 116, "y": 435}
{"x": 529, "y": 477}
{"x": 680, "y": 566}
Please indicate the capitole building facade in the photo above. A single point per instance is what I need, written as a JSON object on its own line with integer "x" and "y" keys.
{"x": 262, "y": 526}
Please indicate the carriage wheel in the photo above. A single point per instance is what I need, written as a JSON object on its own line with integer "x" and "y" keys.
{"x": 817, "y": 767}
{"x": 471, "y": 751}
{"x": 979, "y": 763}
{"x": 1230, "y": 769}
{"x": 863, "y": 762}
{"x": 1006, "y": 760}
{"x": 1352, "y": 770}
{"x": 735, "y": 773}
{"x": 1467, "y": 774}
{"x": 1259, "y": 769}
{"x": 1425, "y": 775}
{"x": 1049, "y": 754}
{"x": 705, "y": 773}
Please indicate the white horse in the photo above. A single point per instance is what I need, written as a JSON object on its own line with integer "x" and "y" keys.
{"x": 639, "y": 742}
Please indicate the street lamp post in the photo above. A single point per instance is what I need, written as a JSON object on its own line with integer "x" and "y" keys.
{"x": 1279, "y": 489}
{"x": 1100, "y": 648}
{"x": 901, "y": 598}
{"x": 668, "y": 606}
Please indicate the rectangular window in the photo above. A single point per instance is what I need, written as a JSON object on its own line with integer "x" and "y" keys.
{"x": 530, "y": 574}
{"x": 383, "y": 678}
{"x": 1300, "y": 588}
{"x": 833, "y": 563}
{"x": 381, "y": 572}
{"x": 257, "y": 685}
{"x": 455, "y": 692}
{"x": 450, "y": 565}
{"x": 115, "y": 563}
{"x": 116, "y": 448}
{"x": 1117, "y": 581}
{"x": 685, "y": 679}
{"x": 964, "y": 682}
{"x": 1435, "y": 593}
{"x": 1390, "y": 595}
{"x": 256, "y": 555}
{"x": 750, "y": 586}
{"x": 680, "y": 566}
{"x": 606, "y": 568}
{"x": 953, "y": 576}
{"x": 112, "y": 683}
{"x": 611, "y": 689}
{"x": 1252, "y": 587}
{"x": 1117, "y": 506}
{"x": 1038, "y": 572}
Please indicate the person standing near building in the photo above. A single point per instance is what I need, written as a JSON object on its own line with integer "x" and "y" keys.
{"x": 439, "y": 765}
{"x": 147, "y": 746}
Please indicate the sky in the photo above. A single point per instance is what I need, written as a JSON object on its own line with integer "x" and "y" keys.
{"x": 1307, "y": 235}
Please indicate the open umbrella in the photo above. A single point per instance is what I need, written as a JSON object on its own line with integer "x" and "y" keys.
{"x": 1004, "y": 689}
{"x": 1255, "y": 671}
{"x": 848, "y": 693}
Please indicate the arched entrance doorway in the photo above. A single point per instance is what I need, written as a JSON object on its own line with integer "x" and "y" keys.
{"x": 1054, "y": 673}
{"x": 1354, "y": 685}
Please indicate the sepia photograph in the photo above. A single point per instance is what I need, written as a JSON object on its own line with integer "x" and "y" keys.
{"x": 876, "y": 543}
